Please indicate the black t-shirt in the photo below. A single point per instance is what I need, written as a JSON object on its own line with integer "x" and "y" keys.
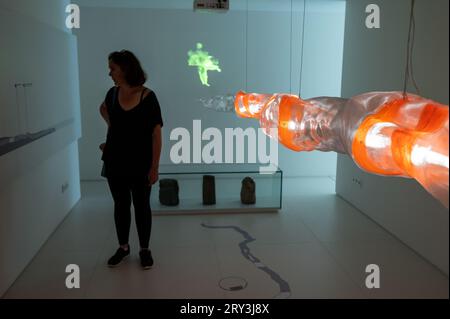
{"x": 129, "y": 143}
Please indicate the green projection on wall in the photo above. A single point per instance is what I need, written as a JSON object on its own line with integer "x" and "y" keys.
{"x": 204, "y": 62}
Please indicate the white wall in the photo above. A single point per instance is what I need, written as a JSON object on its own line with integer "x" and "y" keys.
{"x": 32, "y": 201}
{"x": 374, "y": 59}
{"x": 50, "y": 12}
{"x": 321, "y": 73}
{"x": 259, "y": 50}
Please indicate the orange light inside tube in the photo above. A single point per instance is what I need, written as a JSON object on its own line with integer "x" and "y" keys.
{"x": 290, "y": 114}
{"x": 432, "y": 118}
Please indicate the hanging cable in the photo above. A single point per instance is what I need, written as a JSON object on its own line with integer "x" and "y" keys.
{"x": 290, "y": 53}
{"x": 411, "y": 64}
{"x": 409, "y": 70}
{"x": 246, "y": 46}
{"x": 302, "y": 47}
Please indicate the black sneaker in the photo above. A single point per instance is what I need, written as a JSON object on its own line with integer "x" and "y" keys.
{"x": 146, "y": 258}
{"x": 118, "y": 257}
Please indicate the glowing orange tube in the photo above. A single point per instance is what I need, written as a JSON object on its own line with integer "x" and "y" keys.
{"x": 249, "y": 104}
{"x": 384, "y": 132}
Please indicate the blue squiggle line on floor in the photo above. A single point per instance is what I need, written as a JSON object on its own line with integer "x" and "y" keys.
{"x": 285, "y": 290}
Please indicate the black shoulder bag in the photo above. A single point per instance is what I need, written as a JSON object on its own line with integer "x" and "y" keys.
{"x": 103, "y": 172}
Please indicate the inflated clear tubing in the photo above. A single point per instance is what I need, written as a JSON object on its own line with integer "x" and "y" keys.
{"x": 385, "y": 133}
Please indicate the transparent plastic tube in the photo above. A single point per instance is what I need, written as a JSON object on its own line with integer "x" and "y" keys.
{"x": 385, "y": 133}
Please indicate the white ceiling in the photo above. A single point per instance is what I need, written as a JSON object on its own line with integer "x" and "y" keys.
{"x": 259, "y": 5}
{"x": 235, "y": 5}
{"x": 160, "y": 4}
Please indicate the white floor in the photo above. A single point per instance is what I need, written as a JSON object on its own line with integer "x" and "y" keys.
{"x": 318, "y": 244}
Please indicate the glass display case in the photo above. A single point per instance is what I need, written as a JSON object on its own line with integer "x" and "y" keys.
{"x": 216, "y": 188}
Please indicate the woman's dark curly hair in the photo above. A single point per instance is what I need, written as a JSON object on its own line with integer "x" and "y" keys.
{"x": 130, "y": 66}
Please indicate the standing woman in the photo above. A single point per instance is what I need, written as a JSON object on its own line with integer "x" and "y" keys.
{"x": 132, "y": 151}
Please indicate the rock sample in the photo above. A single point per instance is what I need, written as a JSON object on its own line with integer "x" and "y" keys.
{"x": 209, "y": 190}
{"x": 168, "y": 192}
{"x": 248, "y": 194}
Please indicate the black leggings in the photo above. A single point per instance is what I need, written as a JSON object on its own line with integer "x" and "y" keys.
{"x": 122, "y": 190}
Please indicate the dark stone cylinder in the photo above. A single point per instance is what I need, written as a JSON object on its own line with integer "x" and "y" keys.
{"x": 248, "y": 191}
{"x": 168, "y": 192}
{"x": 209, "y": 190}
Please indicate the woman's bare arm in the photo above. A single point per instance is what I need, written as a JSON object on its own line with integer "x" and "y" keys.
{"x": 104, "y": 113}
{"x": 157, "y": 145}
